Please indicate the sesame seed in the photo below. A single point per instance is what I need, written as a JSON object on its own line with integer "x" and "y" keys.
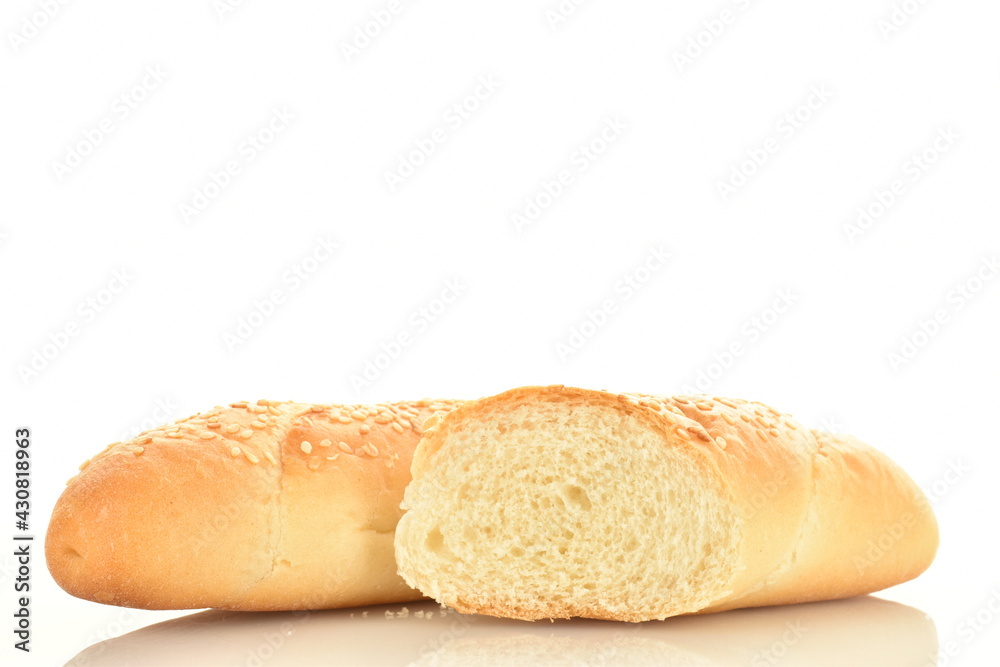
{"x": 306, "y": 446}
{"x": 251, "y": 458}
{"x": 682, "y": 432}
{"x": 263, "y": 402}
{"x": 365, "y": 429}
{"x": 314, "y": 463}
{"x": 145, "y": 440}
{"x": 681, "y": 400}
{"x": 257, "y": 425}
{"x": 774, "y": 432}
{"x": 704, "y": 407}
{"x": 325, "y": 443}
{"x": 404, "y": 423}
{"x": 273, "y": 410}
{"x": 241, "y": 404}
{"x": 345, "y": 447}
{"x": 232, "y": 428}
{"x": 702, "y": 434}
{"x": 720, "y": 441}
{"x": 729, "y": 418}
{"x": 138, "y": 450}
{"x": 235, "y": 451}
{"x": 270, "y": 457}
{"x": 246, "y": 433}
{"x": 214, "y": 424}
{"x": 760, "y": 434}
{"x": 396, "y": 427}
{"x": 359, "y": 415}
{"x": 206, "y": 435}
{"x": 83, "y": 465}
{"x": 344, "y": 420}
{"x": 317, "y": 408}
{"x": 370, "y": 449}
{"x": 333, "y": 457}
{"x": 382, "y": 418}
{"x": 745, "y": 417}
{"x": 174, "y": 434}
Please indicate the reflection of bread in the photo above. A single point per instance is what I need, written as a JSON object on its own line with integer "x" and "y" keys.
{"x": 253, "y": 507}
{"x": 525, "y": 649}
{"x": 859, "y": 631}
{"x": 550, "y": 502}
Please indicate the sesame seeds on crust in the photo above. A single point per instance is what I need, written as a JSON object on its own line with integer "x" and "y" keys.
{"x": 266, "y": 432}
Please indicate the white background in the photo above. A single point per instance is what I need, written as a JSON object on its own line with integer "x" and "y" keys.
{"x": 892, "y": 79}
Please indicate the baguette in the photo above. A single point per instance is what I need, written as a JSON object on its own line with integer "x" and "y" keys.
{"x": 553, "y": 502}
{"x": 253, "y": 507}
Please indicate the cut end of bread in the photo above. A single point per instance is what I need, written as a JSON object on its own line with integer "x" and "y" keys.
{"x": 557, "y": 502}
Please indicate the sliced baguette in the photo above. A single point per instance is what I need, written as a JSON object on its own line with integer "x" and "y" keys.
{"x": 553, "y": 502}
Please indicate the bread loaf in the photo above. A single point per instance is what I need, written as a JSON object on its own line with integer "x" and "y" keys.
{"x": 256, "y": 506}
{"x": 552, "y": 502}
